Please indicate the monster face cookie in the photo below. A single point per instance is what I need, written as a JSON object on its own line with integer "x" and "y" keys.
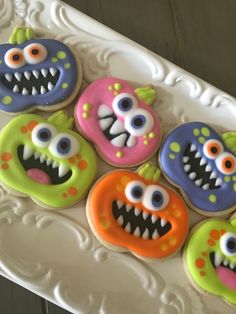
{"x": 203, "y": 165}
{"x": 37, "y": 73}
{"x": 210, "y": 258}
{"x": 46, "y": 160}
{"x": 120, "y": 121}
{"x": 131, "y": 211}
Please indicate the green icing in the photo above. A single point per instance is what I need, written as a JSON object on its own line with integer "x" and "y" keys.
{"x": 205, "y": 131}
{"x": 234, "y": 186}
{"x": 67, "y": 65}
{"x": 175, "y": 147}
{"x": 229, "y": 139}
{"x": 20, "y": 35}
{"x": 149, "y": 172}
{"x": 171, "y": 156}
{"x": 61, "y": 55}
{"x": 64, "y": 85}
{"x": 227, "y": 178}
{"x": 196, "y": 132}
{"x": 54, "y": 59}
{"x": 234, "y": 178}
{"x": 7, "y": 100}
{"x": 212, "y": 198}
{"x": 59, "y": 118}
{"x": 201, "y": 140}
{"x": 147, "y": 94}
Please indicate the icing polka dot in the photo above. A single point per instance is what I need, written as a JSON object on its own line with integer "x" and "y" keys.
{"x": 87, "y": 106}
{"x": 204, "y": 254}
{"x": 119, "y": 154}
{"x": 119, "y": 187}
{"x": 164, "y": 247}
{"x": 211, "y": 242}
{"x": 196, "y": 132}
{"x": 72, "y": 160}
{"x": 205, "y": 131}
{"x": 64, "y": 195}
{"x": 54, "y": 59}
{"x": 234, "y": 178}
{"x": 85, "y": 115}
{"x": 151, "y": 135}
{"x": 201, "y": 140}
{"x": 215, "y": 234}
{"x": 61, "y": 55}
{"x": 202, "y": 273}
{"x": 110, "y": 88}
{"x": 5, "y": 166}
{"x": 212, "y": 198}
{"x": 7, "y": 100}
{"x": 234, "y": 186}
{"x": 78, "y": 157}
{"x": 227, "y": 178}
{"x": 117, "y": 86}
{"x": 32, "y": 124}
{"x": 64, "y": 85}
{"x": 171, "y": 156}
{"x": 82, "y": 164}
{"x": 6, "y": 156}
{"x": 175, "y": 147}
{"x": 72, "y": 191}
{"x": 200, "y": 263}
{"x": 222, "y": 231}
{"x": 67, "y": 65}
{"x": 104, "y": 224}
{"x": 24, "y": 129}
{"x": 145, "y": 142}
{"x": 125, "y": 180}
{"x": 172, "y": 240}
{"x": 176, "y": 213}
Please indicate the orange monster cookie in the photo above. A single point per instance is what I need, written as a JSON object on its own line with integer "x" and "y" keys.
{"x": 132, "y": 211}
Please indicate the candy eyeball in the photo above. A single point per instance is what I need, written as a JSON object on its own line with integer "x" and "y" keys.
{"x": 213, "y": 148}
{"x": 226, "y": 163}
{"x": 42, "y": 134}
{"x": 139, "y": 122}
{"x": 64, "y": 146}
{"x": 228, "y": 244}
{"x": 35, "y": 53}
{"x": 124, "y": 103}
{"x": 14, "y": 58}
{"x": 134, "y": 191}
{"x": 155, "y": 198}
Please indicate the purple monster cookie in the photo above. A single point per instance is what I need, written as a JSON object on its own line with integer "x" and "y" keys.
{"x": 36, "y": 73}
{"x": 203, "y": 165}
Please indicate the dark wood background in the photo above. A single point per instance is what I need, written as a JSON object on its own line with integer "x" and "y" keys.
{"x": 197, "y": 35}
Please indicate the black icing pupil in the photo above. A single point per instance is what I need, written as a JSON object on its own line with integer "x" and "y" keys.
{"x": 64, "y": 145}
{"x": 44, "y": 135}
{"x": 228, "y": 164}
{"x": 231, "y": 245}
{"x": 157, "y": 199}
{"x": 214, "y": 149}
{"x": 137, "y": 192}
{"x": 125, "y": 104}
{"x": 34, "y": 52}
{"x": 16, "y": 57}
{"x": 138, "y": 122}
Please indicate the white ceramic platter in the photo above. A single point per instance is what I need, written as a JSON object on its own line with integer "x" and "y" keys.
{"x": 53, "y": 253}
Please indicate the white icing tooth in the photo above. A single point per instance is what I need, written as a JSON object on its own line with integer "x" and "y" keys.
{"x": 36, "y": 155}
{"x": 218, "y": 182}
{"x": 198, "y": 182}
{"x": 62, "y": 170}
{"x": 50, "y": 86}
{"x": 44, "y": 72}
{"x": 187, "y": 167}
{"x": 119, "y": 141}
{"x": 197, "y": 155}
{"x": 53, "y": 71}
{"x": 154, "y": 218}
{"x": 206, "y": 186}
{"x": 155, "y": 235}
{"x": 232, "y": 265}
{"x": 34, "y": 91}
{"x": 218, "y": 259}
{"x": 185, "y": 159}
{"x": 193, "y": 147}
{"x": 136, "y": 211}
{"x": 105, "y": 123}
{"x": 225, "y": 262}
{"x": 163, "y": 222}
{"x": 208, "y": 168}
{"x": 27, "y": 75}
{"x": 213, "y": 175}
{"x": 49, "y": 161}
{"x": 55, "y": 164}
{"x": 136, "y": 232}
{"x": 25, "y": 91}
{"x": 192, "y": 175}
{"x": 131, "y": 141}
{"x": 117, "y": 127}
{"x": 28, "y": 152}
{"x": 128, "y": 208}
{"x": 8, "y": 77}
{"x": 128, "y": 227}
{"x": 104, "y": 111}
{"x": 203, "y": 161}
{"x": 145, "y": 215}
{"x": 119, "y": 204}
{"x": 145, "y": 235}
{"x": 42, "y": 158}
{"x": 42, "y": 90}
{"x": 120, "y": 220}
{"x": 18, "y": 76}
{"x": 16, "y": 89}
{"x": 36, "y": 73}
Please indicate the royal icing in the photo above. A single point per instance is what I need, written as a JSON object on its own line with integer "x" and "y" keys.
{"x": 46, "y": 160}
{"x": 133, "y": 211}
{"x": 36, "y": 73}
{"x": 210, "y": 257}
{"x": 203, "y": 164}
{"x": 119, "y": 120}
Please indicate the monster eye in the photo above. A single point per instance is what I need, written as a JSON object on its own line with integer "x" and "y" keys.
{"x": 212, "y": 148}
{"x": 155, "y": 198}
{"x": 139, "y": 122}
{"x": 134, "y": 191}
{"x": 42, "y": 134}
{"x": 228, "y": 244}
{"x": 14, "y": 58}
{"x": 226, "y": 163}
{"x": 123, "y": 103}
{"x": 35, "y": 53}
{"x": 64, "y": 146}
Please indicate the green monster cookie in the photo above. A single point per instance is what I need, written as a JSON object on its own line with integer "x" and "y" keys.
{"x": 210, "y": 257}
{"x": 46, "y": 160}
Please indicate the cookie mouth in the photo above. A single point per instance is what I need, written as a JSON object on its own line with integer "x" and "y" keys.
{"x": 139, "y": 223}
{"x": 35, "y": 82}
{"x": 199, "y": 170}
{"x": 225, "y": 269}
{"x": 42, "y": 169}
{"x": 114, "y": 129}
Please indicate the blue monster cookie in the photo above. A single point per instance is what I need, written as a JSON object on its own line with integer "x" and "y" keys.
{"x": 36, "y": 73}
{"x": 199, "y": 161}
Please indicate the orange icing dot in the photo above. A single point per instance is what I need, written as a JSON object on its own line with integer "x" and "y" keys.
{"x": 72, "y": 191}
{"x": 119, "y": 187}
{"x": 172, "y": 240}
{"x": 78, "y": 156}
{"x": 32, "y": 124}
{"x": 204, "y": 254}
{"x": 200, "y": 263}
{"x": 6, "y": 156}
{"x": 215, "y": 234}
{"x": 24, "y": 129}
{"x": 82, "y": 164}
{"x": 202, "y": 273}
{"x": 72, "y": 160}
{"x": 222, "y": 231}
{"x": 64, "y": 195}
{"x": 5, "y": 166}
{"x": 125, "y": 180}
{"x": 211, "y": 242}
{"x": 164, "y": 247}
{"x": 176, "y": 213}
{"x": 104, "y": 224}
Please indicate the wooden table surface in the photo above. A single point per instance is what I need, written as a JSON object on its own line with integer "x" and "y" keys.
{"x": 199, "y": 36}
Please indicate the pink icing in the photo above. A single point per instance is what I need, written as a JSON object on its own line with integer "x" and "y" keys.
{"x": 97, "y": 94}
{"x": 227, "y": 276}
{"x": 39, "y": 176}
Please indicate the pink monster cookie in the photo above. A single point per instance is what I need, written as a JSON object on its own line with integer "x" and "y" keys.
{"x": 119, "y": 120}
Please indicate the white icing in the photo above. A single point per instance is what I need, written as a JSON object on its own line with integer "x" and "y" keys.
{"x": 27, "y": 152}
{"x": 10, "y": 61}
{"x": 132, "y": 141}
{"x": 36, "y": 134}
{"x": 220, "y": 163}
{"x": 135, "y": 114}
{"x": 56, "y": 149}
{"x": 35, "y": 59}
{"x": 150, "y": 203}
{"x": 117, "y": 127}
{"x": 105, "y": 123}
{"x": 121, "y": 110}
{"x": 119, "y": 141}
{"x": 131, "y": 188}
{"x": 104, "y": 111}
{"x": 209, "y": 143}
{"x": 224, "y": 244}
{"x": 62, "y": 170}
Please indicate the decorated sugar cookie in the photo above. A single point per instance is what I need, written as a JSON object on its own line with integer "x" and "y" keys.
{"x": 132, "y": 211}
{"x": 210, "y": 258}
{"x": 37, "y": 73}
{"x": 202, "y": 164}
{"x": 45, "y": 160}
{"x": 120, "y": 121}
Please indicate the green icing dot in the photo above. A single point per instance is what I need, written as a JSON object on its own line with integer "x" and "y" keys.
{"x": 61, "y": 55}
{"x": 54, "y": 59}
{"x": 196, "y": 132}
{"x": 175, "y": 147}
{"x": 234, "y": 186}
{"x": 227, "y": 178}
{"x": 117, "y": 86}
{"x": 67, "y": 65}
{"x": 171, "y": 156}
{"x": 201, "y": 140}
{"x": 205, "y": 131}
{"x": 64, "y": 85}
{"x": 7, "y": 100}
{"x": 234, "y": 178}
{"x": 212, "y": 198}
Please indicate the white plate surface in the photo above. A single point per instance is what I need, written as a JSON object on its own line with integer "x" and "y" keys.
{"x": 53, "y": 253}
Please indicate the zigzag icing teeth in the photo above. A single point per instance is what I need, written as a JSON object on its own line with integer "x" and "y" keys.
{"x": 8, "y": 77}
{"x": 28, "y": 152}
{"x": 62, "y": 170}
{"x": 218, "y": 260}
